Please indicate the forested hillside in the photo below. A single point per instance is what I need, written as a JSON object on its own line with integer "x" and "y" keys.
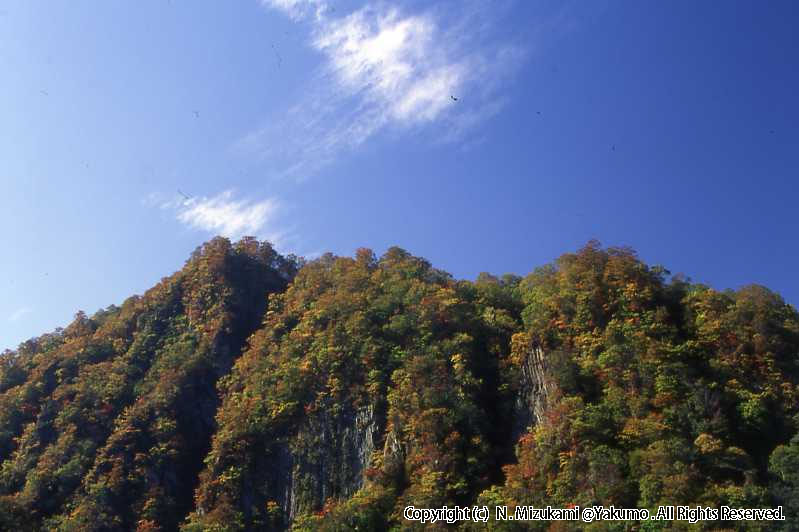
{"x": 104, "y": 425}
{"x": 251, "y": 391}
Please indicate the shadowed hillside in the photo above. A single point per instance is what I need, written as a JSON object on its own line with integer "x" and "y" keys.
{"x": 104, "y": 425}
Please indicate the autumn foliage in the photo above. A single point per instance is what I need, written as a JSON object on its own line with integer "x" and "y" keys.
{"x": 252, "y": 391}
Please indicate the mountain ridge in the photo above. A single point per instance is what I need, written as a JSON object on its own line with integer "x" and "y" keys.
{"x": 252, "y": 391}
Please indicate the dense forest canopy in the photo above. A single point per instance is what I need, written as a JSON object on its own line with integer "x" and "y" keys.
{"x": 252, "y": 391}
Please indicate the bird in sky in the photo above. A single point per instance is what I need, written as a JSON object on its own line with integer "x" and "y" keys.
{"x": 188, "y": 198}
{"x": 277, "y": 55}
{"x": 454, "y": 99}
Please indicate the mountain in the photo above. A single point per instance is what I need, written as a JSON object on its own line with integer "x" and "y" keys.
{"x": 252, "y": 391}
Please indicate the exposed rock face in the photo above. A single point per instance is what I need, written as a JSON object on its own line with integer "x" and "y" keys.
{"x": 535, "y": 389}
{"x": 393, "y": 453}
{"x": 328, "y": 459}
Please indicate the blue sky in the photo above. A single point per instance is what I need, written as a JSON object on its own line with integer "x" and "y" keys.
{"x": 484, "y": 136}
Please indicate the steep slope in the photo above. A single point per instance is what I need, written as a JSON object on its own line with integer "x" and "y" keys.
{"x": 373, "y": 381}
{"x": 243, "y": 394}
{"x": 619, "y": 388}
{"x": 104, "y": 425}
{"x": 664, "y": 393}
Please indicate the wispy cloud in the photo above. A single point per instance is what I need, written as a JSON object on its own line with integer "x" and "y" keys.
{"x": 228, "y": 217}
{"x": 394, "y": 60}
{"x": 19, "y": 314}
{"x": 299, "y": 9}
{"x": 386, "y": 69}
{"x": 225, "y": 215}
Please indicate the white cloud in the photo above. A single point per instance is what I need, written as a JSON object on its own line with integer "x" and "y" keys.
{"x": 298, "y": 9}
{"x": 19, "y": 314}
{"x": 226, "y": 216}
{"x": 385, "y": 69}
{"x": 230, "y": 216}
{"x": 394, "y": 61}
